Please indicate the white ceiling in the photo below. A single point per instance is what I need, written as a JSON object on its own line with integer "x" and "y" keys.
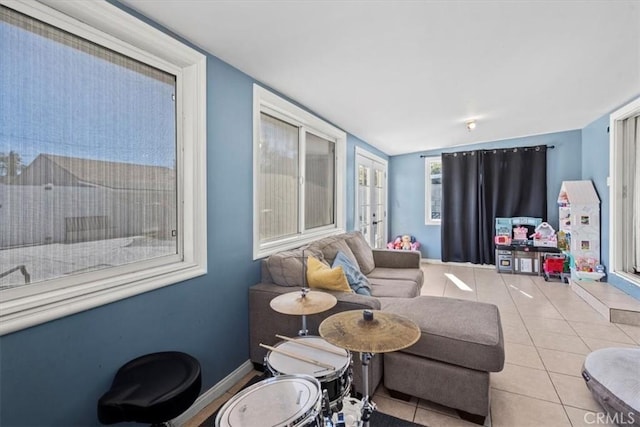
{"x": 404, "y": 76}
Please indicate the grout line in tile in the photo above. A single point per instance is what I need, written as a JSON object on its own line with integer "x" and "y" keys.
{"x": 530, "y": 397}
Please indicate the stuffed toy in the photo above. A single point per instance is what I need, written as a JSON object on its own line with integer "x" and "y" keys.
{"x": 406, "y": 243}
{"x": 395, "y": 244}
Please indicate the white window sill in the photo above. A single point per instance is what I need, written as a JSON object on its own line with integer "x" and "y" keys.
{"x": 293, "y": 243}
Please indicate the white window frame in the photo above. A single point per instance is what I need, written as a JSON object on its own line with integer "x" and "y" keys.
{"x": 265, "y": 101}
{"x": 427, "y": 190}
{"x": 615, "y": 191}
{"x": 109, "y": 26}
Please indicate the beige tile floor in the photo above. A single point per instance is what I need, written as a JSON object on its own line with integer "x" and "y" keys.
{"x": 548, "y": 331}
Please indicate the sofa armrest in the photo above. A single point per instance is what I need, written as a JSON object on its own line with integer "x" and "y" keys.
{"x": 387, "y": 258}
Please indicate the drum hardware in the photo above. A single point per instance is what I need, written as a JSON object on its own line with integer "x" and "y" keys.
{"x": 327, "y": 414}
{"x": 369, "y": 332}
{"x": 304, "y": 330}
{"x": 303, "y": 303}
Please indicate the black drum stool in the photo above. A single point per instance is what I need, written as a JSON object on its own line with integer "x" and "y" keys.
{"x": 152, "y": 389}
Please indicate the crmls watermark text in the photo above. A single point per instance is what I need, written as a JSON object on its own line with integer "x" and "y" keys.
{"x": 619, "y": 418}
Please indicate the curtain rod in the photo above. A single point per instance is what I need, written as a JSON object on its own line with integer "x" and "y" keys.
{"x": 550, "y": 147}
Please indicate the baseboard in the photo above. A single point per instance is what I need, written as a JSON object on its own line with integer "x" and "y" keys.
{"x": 457, "y": 264}
{"x": 213, "y": 393}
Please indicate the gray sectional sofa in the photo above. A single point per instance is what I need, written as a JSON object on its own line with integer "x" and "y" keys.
{"x": 461, "y": 341}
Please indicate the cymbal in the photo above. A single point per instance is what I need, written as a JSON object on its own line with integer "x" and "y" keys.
{"x": 303, "y": 302}
{"x": 386, "y": 332}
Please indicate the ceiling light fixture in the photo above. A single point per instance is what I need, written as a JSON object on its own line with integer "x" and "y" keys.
{"x": 471, "y": 125}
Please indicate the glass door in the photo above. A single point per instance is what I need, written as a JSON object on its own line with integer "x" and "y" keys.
{"x": 371, "y": 198}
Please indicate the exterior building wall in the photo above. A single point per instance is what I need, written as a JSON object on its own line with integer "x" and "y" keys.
{"x": 35, "y": 215}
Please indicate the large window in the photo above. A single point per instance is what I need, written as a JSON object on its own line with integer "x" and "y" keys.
{"x": 433, "y": 190}
{"x": 299, "y": 170}
{"x": 625, "y": 192}
{"x": 101, "y": 185}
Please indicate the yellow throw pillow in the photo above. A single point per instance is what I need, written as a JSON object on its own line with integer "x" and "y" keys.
{"x": 322, "y": 276}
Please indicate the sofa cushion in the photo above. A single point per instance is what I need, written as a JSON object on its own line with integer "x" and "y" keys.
{"x": 330, "y": 246}
{"x": 413, "y": 274}
{"x": 357, "y": 281}
{"x": 321, "y": 276}
{"x": 286, "y": 268}
{"x": 361, "y": 250}
{"x": 393, "y": 288}
{"x": 458, "y": 332}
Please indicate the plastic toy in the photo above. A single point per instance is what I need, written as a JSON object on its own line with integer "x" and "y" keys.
{"x": 502, "y": 240}
{"x": 513, "y": 231}
{"x": 404, "y": 242}
{"x": 520, "y": 233}
{"x": 555, "y": 265}
{"x": 545, "y": 236}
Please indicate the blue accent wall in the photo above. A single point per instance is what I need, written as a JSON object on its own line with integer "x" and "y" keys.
{"x": 54, "y": 373}
{"x": 407, "y": 184}
{"x": 595, "y": 166}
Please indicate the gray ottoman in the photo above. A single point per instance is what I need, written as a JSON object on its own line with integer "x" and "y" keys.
{"x": 461, "y": 343}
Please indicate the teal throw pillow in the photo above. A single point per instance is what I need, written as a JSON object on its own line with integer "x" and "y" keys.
{"x": 357, "y": 281}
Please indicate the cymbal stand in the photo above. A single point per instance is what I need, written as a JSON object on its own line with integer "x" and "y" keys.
{"x": 304, "y": 331}
{"x": 304, "y": 291}
{"x": 367, "y": 405}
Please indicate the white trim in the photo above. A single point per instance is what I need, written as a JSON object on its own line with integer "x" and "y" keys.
{"x": 364, "y": 153}
{"x": 213, "y": 393}
{"x": 272, "y": 104}
{"x": 427, "y": 190}
{"x": 615, "y": 189}
{"x": 115, "y": 29}
{"x": 359, "y": 151}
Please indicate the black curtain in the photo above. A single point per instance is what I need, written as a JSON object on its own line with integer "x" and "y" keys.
{"x": 460, "y": 206}
{"x": 480, "y": 186}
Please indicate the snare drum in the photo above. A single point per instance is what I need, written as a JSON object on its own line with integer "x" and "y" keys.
{"x": 282, "y": 401}
{"x": 336, "y": 380}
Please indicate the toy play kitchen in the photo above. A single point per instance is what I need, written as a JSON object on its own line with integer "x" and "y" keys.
{"x": 521, "y": 243}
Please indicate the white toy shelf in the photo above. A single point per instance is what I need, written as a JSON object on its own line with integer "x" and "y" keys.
{"x": 579, "y": 217}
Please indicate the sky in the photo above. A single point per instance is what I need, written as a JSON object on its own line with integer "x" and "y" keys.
{"x": 55, "y": 99}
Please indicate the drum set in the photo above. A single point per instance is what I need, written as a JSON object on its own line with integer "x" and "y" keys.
{"x": 311, "y": 376}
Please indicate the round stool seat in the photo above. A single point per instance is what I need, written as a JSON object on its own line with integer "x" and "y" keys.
{"x": 154, "y": 388}
{"x": 612, "y": 376}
